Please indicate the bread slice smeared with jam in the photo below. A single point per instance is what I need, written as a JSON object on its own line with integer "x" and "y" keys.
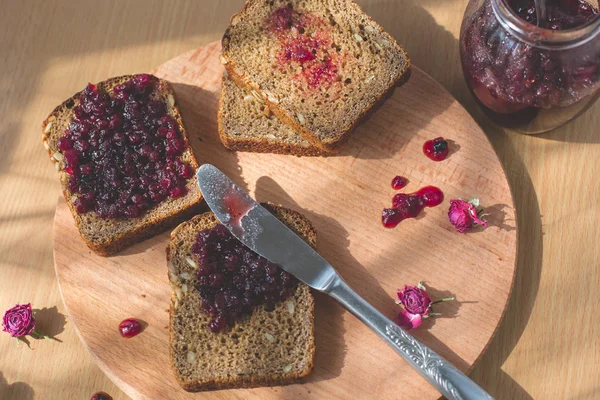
{"x": 320, "y": 66}
{"x": 124, "y": 161}
{"x": 268, "y": 343}
{"x": 246, "y": 124}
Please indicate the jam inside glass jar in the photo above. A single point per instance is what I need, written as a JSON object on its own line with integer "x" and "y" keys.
{"x": 527, "y": 73}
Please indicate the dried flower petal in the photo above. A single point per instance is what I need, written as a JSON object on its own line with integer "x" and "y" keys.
{"x": 408, "y": 320}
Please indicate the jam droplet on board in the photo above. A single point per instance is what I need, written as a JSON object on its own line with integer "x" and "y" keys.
{"x": 399, "y": 182}
{"x": 130, "y": 327}
{"x": 436, "y": 149}
{"x": 410, "y": 205}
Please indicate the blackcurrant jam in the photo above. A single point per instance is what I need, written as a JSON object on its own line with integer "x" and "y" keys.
{"x": 123, "y": 150}
{"x": 232, "y": 279}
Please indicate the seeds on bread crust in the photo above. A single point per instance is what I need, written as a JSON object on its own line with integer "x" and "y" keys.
{"x": 270, "y": 338}
{"x": 267, "y": 112}
{"x": 170, "y": 100}
{"x": 48, "y": 127}
{"x": 257, "y": 96}
{"x": 191, "y": 262}
{"x": 191, "y": 357}
{"x": 271, "y": 97}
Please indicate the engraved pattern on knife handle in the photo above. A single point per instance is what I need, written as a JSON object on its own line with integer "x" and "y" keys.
{"x": 429, "y": 362}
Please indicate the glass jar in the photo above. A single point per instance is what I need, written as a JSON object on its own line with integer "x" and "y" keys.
{"x": 526, "y": 77}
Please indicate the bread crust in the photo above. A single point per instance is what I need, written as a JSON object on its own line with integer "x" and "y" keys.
{"x": 208, "y": 221}
{"x": 243, "y": 80}
{"x": 147, "y": 225}
{"x": 258, "y": 145}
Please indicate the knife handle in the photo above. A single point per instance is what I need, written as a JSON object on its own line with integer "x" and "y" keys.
{"x": 442, "y": 375}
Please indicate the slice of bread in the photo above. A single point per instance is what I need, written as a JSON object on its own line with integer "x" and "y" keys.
{"x": 246, "y": 124}
{"x": 107, "y": 236}
{"x": 320, "y": 67}
{"x": 264, "y": 349}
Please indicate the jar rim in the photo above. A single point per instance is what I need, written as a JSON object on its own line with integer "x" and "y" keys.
{"x": 542, "y": 37}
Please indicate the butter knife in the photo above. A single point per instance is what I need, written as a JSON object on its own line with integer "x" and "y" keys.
{"x": 258, "y": 229}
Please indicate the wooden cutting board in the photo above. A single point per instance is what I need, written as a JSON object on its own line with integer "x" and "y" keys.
{"x": 343, "y": 196}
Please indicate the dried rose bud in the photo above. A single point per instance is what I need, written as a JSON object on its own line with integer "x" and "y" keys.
{"x": 417, "y": 305}
{"x": 18, "y": 321}
{"x": 464, "y": 214}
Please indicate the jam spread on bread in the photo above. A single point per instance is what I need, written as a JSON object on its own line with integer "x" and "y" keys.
{"x": 305, "y": 44}
{"x": 232, "y": 279}
{"x": 122, "y": 151}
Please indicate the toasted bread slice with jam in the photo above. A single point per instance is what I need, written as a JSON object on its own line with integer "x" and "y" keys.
{"x": 263, "y": 349}
{"x": 106, "y": 236}
{"x": 320, "y": 65}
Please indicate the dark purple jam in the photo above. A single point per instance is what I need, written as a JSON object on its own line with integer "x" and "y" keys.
{"x": 410, "y": 205}
{"x": 509, "y": 76}
{"x": 232, "y": 279}
{"x": 123, "y": 151}
{"x": 561, "y": 14}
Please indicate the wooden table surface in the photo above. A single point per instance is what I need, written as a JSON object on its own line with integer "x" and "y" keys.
{"x": 547, "y": 346}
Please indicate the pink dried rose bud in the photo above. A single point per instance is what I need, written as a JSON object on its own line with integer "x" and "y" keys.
{"x": 18, "y": 321}
{"x": 416, "y": 304}
{"x": 464, "y": 215}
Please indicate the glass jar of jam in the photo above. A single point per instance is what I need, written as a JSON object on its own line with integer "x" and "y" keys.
{"x": 528, "y": 73}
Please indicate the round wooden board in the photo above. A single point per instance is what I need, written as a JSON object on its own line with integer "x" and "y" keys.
{"x": 343, "y": 196}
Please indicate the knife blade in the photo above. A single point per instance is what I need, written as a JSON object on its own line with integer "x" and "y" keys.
{"x": 259, "y": 230}
{"x": 263, "y": 233}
